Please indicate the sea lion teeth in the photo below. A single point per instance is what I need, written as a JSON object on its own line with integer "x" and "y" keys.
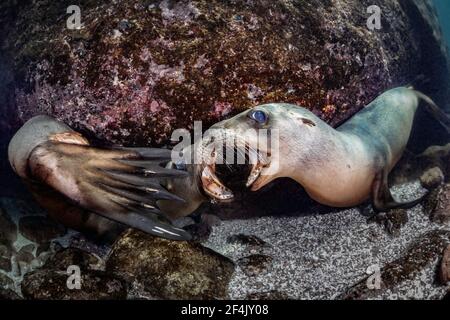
{"x": 214, "y": 187}
{"x": 254, "y": 174}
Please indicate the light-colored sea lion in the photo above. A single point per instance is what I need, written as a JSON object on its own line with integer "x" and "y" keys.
{"x": 340, "y": 167}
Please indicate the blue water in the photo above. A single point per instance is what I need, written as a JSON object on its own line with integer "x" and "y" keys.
{"x": 443, "y": 8}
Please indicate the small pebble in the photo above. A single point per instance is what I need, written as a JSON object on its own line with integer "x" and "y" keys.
{"x": 432, "y": 178}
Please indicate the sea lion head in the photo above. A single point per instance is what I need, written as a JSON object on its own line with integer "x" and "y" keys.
{"x": 275, "y": 139}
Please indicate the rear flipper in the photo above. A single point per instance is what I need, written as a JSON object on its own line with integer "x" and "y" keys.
{"x": 437, "y": 113}
{"x": 382, "y": 198}
{"x": 120, "y": 184}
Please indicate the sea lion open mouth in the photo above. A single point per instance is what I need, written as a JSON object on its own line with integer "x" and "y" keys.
{"x": 213, "y": 186}
{"x": 249, "y": 162}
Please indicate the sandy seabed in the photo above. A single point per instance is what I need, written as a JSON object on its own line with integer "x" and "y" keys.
{"x": 321, "y": 256}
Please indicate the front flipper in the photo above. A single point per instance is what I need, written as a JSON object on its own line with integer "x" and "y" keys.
{"x": 119, "y": 184}
{"x": 382, "y": 198}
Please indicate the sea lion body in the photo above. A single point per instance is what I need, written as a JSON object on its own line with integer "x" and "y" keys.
{"x": 340, "y": 167}
{"x": 352, "y": 155}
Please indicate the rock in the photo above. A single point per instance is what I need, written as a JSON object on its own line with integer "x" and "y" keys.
{"x": 5, "y": 264}
{"x": 424, "y": 166}
{"x": 47, "y": 250}
{"x": 169, "y": 269}
{"x": 271, "y": 295}
{"x": 51, "y": 277}
{"x": 199, "y": 231}
{"x": 27, "y": 260}
{"x": 432, "y": 178}
{"x": 29, "y": 248}
{"x": 437, "y": 204}
{"x": 244, "y": 239}
{"x": 255, "y": 264}
{"x": 8, "y": 229}
{"x": 26, "y": 254}
{"x": 62, "y": 259}
{"x": 143, "y": 73}
{"x": 6, "y": 282}
{"x": 100, "y": 247}
{"x": 210, "y": 219}
{"x": 39, "y": 261}
{"x": 44, "y": 247}
{"x": 55, "y": 246}
{"x": 5, "y": 251}
{"x": 5, "y": 258}
{"x": 436, "y": 156}
{"x": 445, "y": 267}
{"x": 420, "y": 254}
{"x": 46, "y": 284}
{"x": 15, "y": 268}
{"x": 392, "y": 220}
{"x": 8, "y": 294}
{"x": 40, "y": 229}
{"x": 24, "y": 268}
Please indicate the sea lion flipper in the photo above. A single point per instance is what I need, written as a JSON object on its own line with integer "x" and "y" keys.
{"x": 154, "y": 169}
{"x": 434, "y": 110}
{"x": 130, "y": 181}
{"x": 121, "y": 184}
{"x": 382, "y": 198}
{"x": 118, "y": 184}
{"x": 150, "y": 224}
{"x": 150, "y": 153}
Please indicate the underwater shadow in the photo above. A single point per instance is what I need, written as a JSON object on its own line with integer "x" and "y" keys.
{"x": 281, "y": 198}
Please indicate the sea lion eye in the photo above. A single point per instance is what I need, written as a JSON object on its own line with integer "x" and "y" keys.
{"x": 259, "y": 116}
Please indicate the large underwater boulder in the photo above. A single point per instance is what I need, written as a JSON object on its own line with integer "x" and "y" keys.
{"x": 137, "y": 70}
{"x": 160, "y": 268}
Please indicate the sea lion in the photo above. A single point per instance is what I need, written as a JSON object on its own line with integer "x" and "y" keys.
{"x": 341, "y": 167}
{"x": 91, "y": 188}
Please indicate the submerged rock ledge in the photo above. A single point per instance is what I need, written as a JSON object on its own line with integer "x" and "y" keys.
{"x": 138, "y": 70}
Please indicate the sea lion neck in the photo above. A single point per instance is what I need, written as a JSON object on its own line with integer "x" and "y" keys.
{"x": 334, "y": 164}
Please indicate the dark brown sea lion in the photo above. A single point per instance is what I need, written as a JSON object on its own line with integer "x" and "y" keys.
{"x": 105, "y": 185}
